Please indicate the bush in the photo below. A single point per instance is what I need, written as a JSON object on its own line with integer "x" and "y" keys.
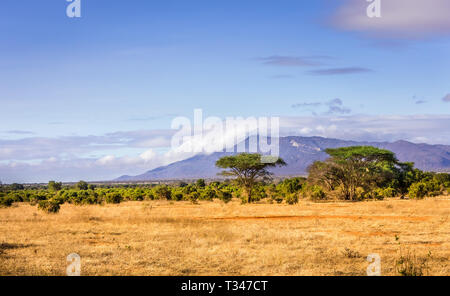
{"x": 137, "y": 195}
{"x": 200, "y": 183}
{"x": 178, "y": 196}
{"x": 425, "y": 188}
{"x": 16, "y": 186}
{"x": 36, "y": 198}
{"x": 259, "y": 192}
{"x": 6, "y": 201}
{"x": 208, "y": 194}
{"x": 50, "y": 206}
{"x": 411, "y": 265}
{"x": 292, "y": 198}
{"x": 226, "y": 196}
{"x": 91, "y": 200}
{"x": 193, "y": 197}
{"x": 54, "y": 186}
{"x": 292, "y": 185}
{"x": 82, "y": 185}
{"x": 16, "y": 197}
{"x": 314, "y": 192}
{"x": 113, "y": 198}
{"x": 388, "y": 192}
{"x": 163, "y": 192}
{"x": 418, "y": 190}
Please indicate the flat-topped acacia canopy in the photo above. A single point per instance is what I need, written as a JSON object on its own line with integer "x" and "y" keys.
{"x": 247, "y": 168}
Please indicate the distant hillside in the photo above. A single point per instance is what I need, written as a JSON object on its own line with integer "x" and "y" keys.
{"x": 299, "y": 153}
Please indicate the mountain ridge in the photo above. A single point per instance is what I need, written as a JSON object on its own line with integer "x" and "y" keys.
{"x": 299, "y": 153}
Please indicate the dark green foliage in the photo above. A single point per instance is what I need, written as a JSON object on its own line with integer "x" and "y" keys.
{"x": 82, "y": 185}
{"x": 352, "y": 173}
{"x": 208, "y": 193}
{"x": 292, "y": 198}
{"x": 54, "y": 186}
{"x": 178, "y": 196}
{"x": 38, "y": 196}
{"x": 16, "y": 186}
{"x": 200, "y": 183}
{"x": 418, "y": 190}
{"x": 292, "y": 185}
{"x": 163, "y": 192}
{"x": 225, "y": 195}
{"x": 182, "y": 184}
{"x": 189, "y": 189}
{"x": 113, "y": 198}
{"x": 50, "y": 206}
{"x": 193, "y": 197}
{"x": 425, "y": 188}
{"x": 442, "y": 178}
{"x": 314, "y": 192}
{"x": 6, "y": 201}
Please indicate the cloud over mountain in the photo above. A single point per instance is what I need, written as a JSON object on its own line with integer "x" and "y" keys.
{"x": 107, "y": 156}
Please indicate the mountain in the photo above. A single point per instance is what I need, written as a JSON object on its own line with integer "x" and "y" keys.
{"x": 299, "y": 153}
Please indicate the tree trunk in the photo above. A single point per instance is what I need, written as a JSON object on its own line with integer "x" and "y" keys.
{"x": 248, "y": 189}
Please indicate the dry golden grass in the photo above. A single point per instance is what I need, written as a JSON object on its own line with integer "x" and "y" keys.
{"x": 212, "y": 238}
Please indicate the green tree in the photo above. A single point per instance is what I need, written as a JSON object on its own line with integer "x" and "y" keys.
{"x": 82, "y": 185}
{"x": 350, "y": 168}
{"x": 163, "y": 192}
{"x": 16, "y": 186}
{"x": 200, "y": 183}
{"x": 54, "y": 186}
{"x": 247, "y": 169}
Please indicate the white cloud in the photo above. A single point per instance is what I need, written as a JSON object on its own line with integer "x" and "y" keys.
{"x": 371, "y": 128}
{"x": 399, "y": 18}
{"x": 148, "y": 155}
{"x": 106, "y": 160}
{"x": 67, "y": 159}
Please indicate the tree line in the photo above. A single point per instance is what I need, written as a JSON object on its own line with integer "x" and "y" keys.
{"x": 351, "y": 173}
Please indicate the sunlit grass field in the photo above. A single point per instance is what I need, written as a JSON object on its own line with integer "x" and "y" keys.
{"x": 214, "y": 238}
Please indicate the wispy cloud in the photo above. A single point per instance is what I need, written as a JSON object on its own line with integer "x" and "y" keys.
{"x": 419, "y": 101}
{"x": 335, "y": 106}
{"x": 414, "y": 128}
{"x": 293, "y": 61}
{"x": 19, "y": 132}
{"x": 340, "y": 71}
{"x": 302, "y": 105}
{"x": 33, "y": 148}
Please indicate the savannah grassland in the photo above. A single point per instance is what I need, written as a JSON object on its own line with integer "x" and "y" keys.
{"x": 214, "y": 238}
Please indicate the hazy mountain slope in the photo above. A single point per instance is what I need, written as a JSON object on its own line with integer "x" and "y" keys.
{"x": 299, "y": 153}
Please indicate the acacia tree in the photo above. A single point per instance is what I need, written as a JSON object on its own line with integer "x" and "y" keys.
{"x": 248, "y": 169}
{"x": 358, "y": 166}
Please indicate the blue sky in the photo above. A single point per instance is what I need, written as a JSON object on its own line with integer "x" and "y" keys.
{"x": 77, "y": 94}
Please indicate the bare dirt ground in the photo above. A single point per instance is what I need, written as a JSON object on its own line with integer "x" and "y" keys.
{"x": 213, "y": 238}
